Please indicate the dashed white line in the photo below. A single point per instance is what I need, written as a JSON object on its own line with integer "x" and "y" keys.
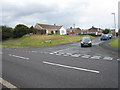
{"x": 61, "y": 50}
{"x": 71, "y": 67}
{"x": 96, "y": 57}
{"x": 76, "y": 55}
{"x": 6, "y": 83}
{"x": 86, "y": 56}
{"x": 118, "y": 59}
{"x": 18, "y": 56}
{"x": 69, "y": 53}
{"x": 51, "y": 53}
{"x": 108, "y": 58}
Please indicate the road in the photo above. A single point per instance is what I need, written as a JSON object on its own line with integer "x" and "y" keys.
{"x": 61, "y": 66}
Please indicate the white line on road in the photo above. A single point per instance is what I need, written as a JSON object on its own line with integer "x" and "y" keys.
{"x": 61, "y": 50}
{"x": 86, "y": 56}
{"x": 18, "y": 56}
{"x": 1, "y": 53}
{"x": 96, "y": 57}
{"x": 76, "y": 55}
{"x": 118, "y": 59}
{"x": 6, "y": 83}
{"x": 108, "y": 58}
{"x": 81, "y": 69}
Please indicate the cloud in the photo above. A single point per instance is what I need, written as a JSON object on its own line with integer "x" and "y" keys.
{"x": 83, "y": 13}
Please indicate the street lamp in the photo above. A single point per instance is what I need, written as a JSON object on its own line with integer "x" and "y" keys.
{"x": 114, "y": 22}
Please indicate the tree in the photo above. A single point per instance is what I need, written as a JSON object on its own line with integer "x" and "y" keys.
{"x": 7, "y": 32}
{"x": 31, "y": 29}
{"x": 20, "y": 30}
{"x": 106, "y": 31}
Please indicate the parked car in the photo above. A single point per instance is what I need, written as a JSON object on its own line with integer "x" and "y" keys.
{"x": 110, "y": 36}
{"x": 86, "y": 41}
{"x": 104, "y": 37}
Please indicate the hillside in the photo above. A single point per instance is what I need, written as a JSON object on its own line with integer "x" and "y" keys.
{"x": 40, "y": 40}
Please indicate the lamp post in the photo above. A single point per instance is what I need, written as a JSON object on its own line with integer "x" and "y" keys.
{"x": 114, "y": 23}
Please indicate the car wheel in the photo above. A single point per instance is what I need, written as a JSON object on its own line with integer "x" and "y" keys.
{"x": 90, "y": 45}
{"x": 81, "y": 45}
{"x": 101, "y": 39}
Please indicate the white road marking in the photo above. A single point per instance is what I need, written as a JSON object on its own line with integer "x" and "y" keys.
{"x": 1, "y": 53}
{"x": 34, "y": 51}
{"x": 108, "y": 58}
{"x": 58, "y": 54}
{"x": 69, "y": 53}
{"x": 76, "y": 55}
{"x": 85, "y": 56}
{"x": 61, "y": 50}
{"x": 118, "y": 59}
{"x": 6, "y": 83}
{"x": 65, "y": 55}
{"x": 18, "y": 56}
{"x": 96, "y": 57}
{"x": 71, "y": 67}
{"x": 51, "y": 53}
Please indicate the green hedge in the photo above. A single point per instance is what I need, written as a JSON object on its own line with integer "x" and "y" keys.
{"x": 92, "y": 34}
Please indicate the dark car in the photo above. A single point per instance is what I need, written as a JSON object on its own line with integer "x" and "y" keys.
{"x": 104, "y": 37}
{"x": 86, "y": 41}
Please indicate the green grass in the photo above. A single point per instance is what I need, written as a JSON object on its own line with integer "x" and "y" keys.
{"x": 115, "y": 43}
{"x": 39, "y": 40}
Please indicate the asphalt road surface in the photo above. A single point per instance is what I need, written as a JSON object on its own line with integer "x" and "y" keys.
{"x": 61, "y": 66}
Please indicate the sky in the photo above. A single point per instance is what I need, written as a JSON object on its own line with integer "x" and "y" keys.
{"x": 82, "y": 13}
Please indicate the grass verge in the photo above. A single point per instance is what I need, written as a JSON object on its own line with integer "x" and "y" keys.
{"x": 40, "y": 40}
{"x": 115, "y": 43}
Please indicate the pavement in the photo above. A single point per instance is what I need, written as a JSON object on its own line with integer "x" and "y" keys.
{"x": 61, "y": 66}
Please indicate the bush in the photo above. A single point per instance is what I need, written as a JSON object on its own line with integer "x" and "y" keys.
{"x": 92, "y": 34}
{"x": 7, "y": 32}
{"x": 20, "y": 30}
{"x": 106, "y": 31}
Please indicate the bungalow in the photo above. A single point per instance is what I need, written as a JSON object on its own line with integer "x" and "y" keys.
{"x": 73, "y": 31}
{"x": 97, "y": 31}
{"x": 52, "y": 29}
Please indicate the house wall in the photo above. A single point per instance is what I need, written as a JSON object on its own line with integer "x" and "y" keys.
{"x": 63, "y": 31}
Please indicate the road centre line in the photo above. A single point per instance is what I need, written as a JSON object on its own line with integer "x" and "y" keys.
{"x": 18, "y": 56}
{"x": 7, "y": 84}
{"x": 71, "y": 67}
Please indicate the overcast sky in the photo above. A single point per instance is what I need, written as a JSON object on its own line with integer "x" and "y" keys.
{"x": 82, "y": 13}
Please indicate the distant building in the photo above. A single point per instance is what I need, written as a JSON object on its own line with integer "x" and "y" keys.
{"x": 94, "y": 30}
{"x": 52, "y": 29}
{"x": 73, "y": 31}
{"x": 83, "y": 31}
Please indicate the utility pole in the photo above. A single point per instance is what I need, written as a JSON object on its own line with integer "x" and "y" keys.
{"x": 74, "y": 25}
{"x": 114, "y": 23}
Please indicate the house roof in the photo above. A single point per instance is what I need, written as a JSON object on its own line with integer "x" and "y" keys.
{"x": 45, "y": 26}
{"x": 73, "y": 29}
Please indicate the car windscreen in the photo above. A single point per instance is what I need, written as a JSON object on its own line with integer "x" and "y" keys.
{"x": 86, "y": 39}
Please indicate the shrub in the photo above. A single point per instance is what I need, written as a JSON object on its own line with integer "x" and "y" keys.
{"x": 7, "y": 32}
